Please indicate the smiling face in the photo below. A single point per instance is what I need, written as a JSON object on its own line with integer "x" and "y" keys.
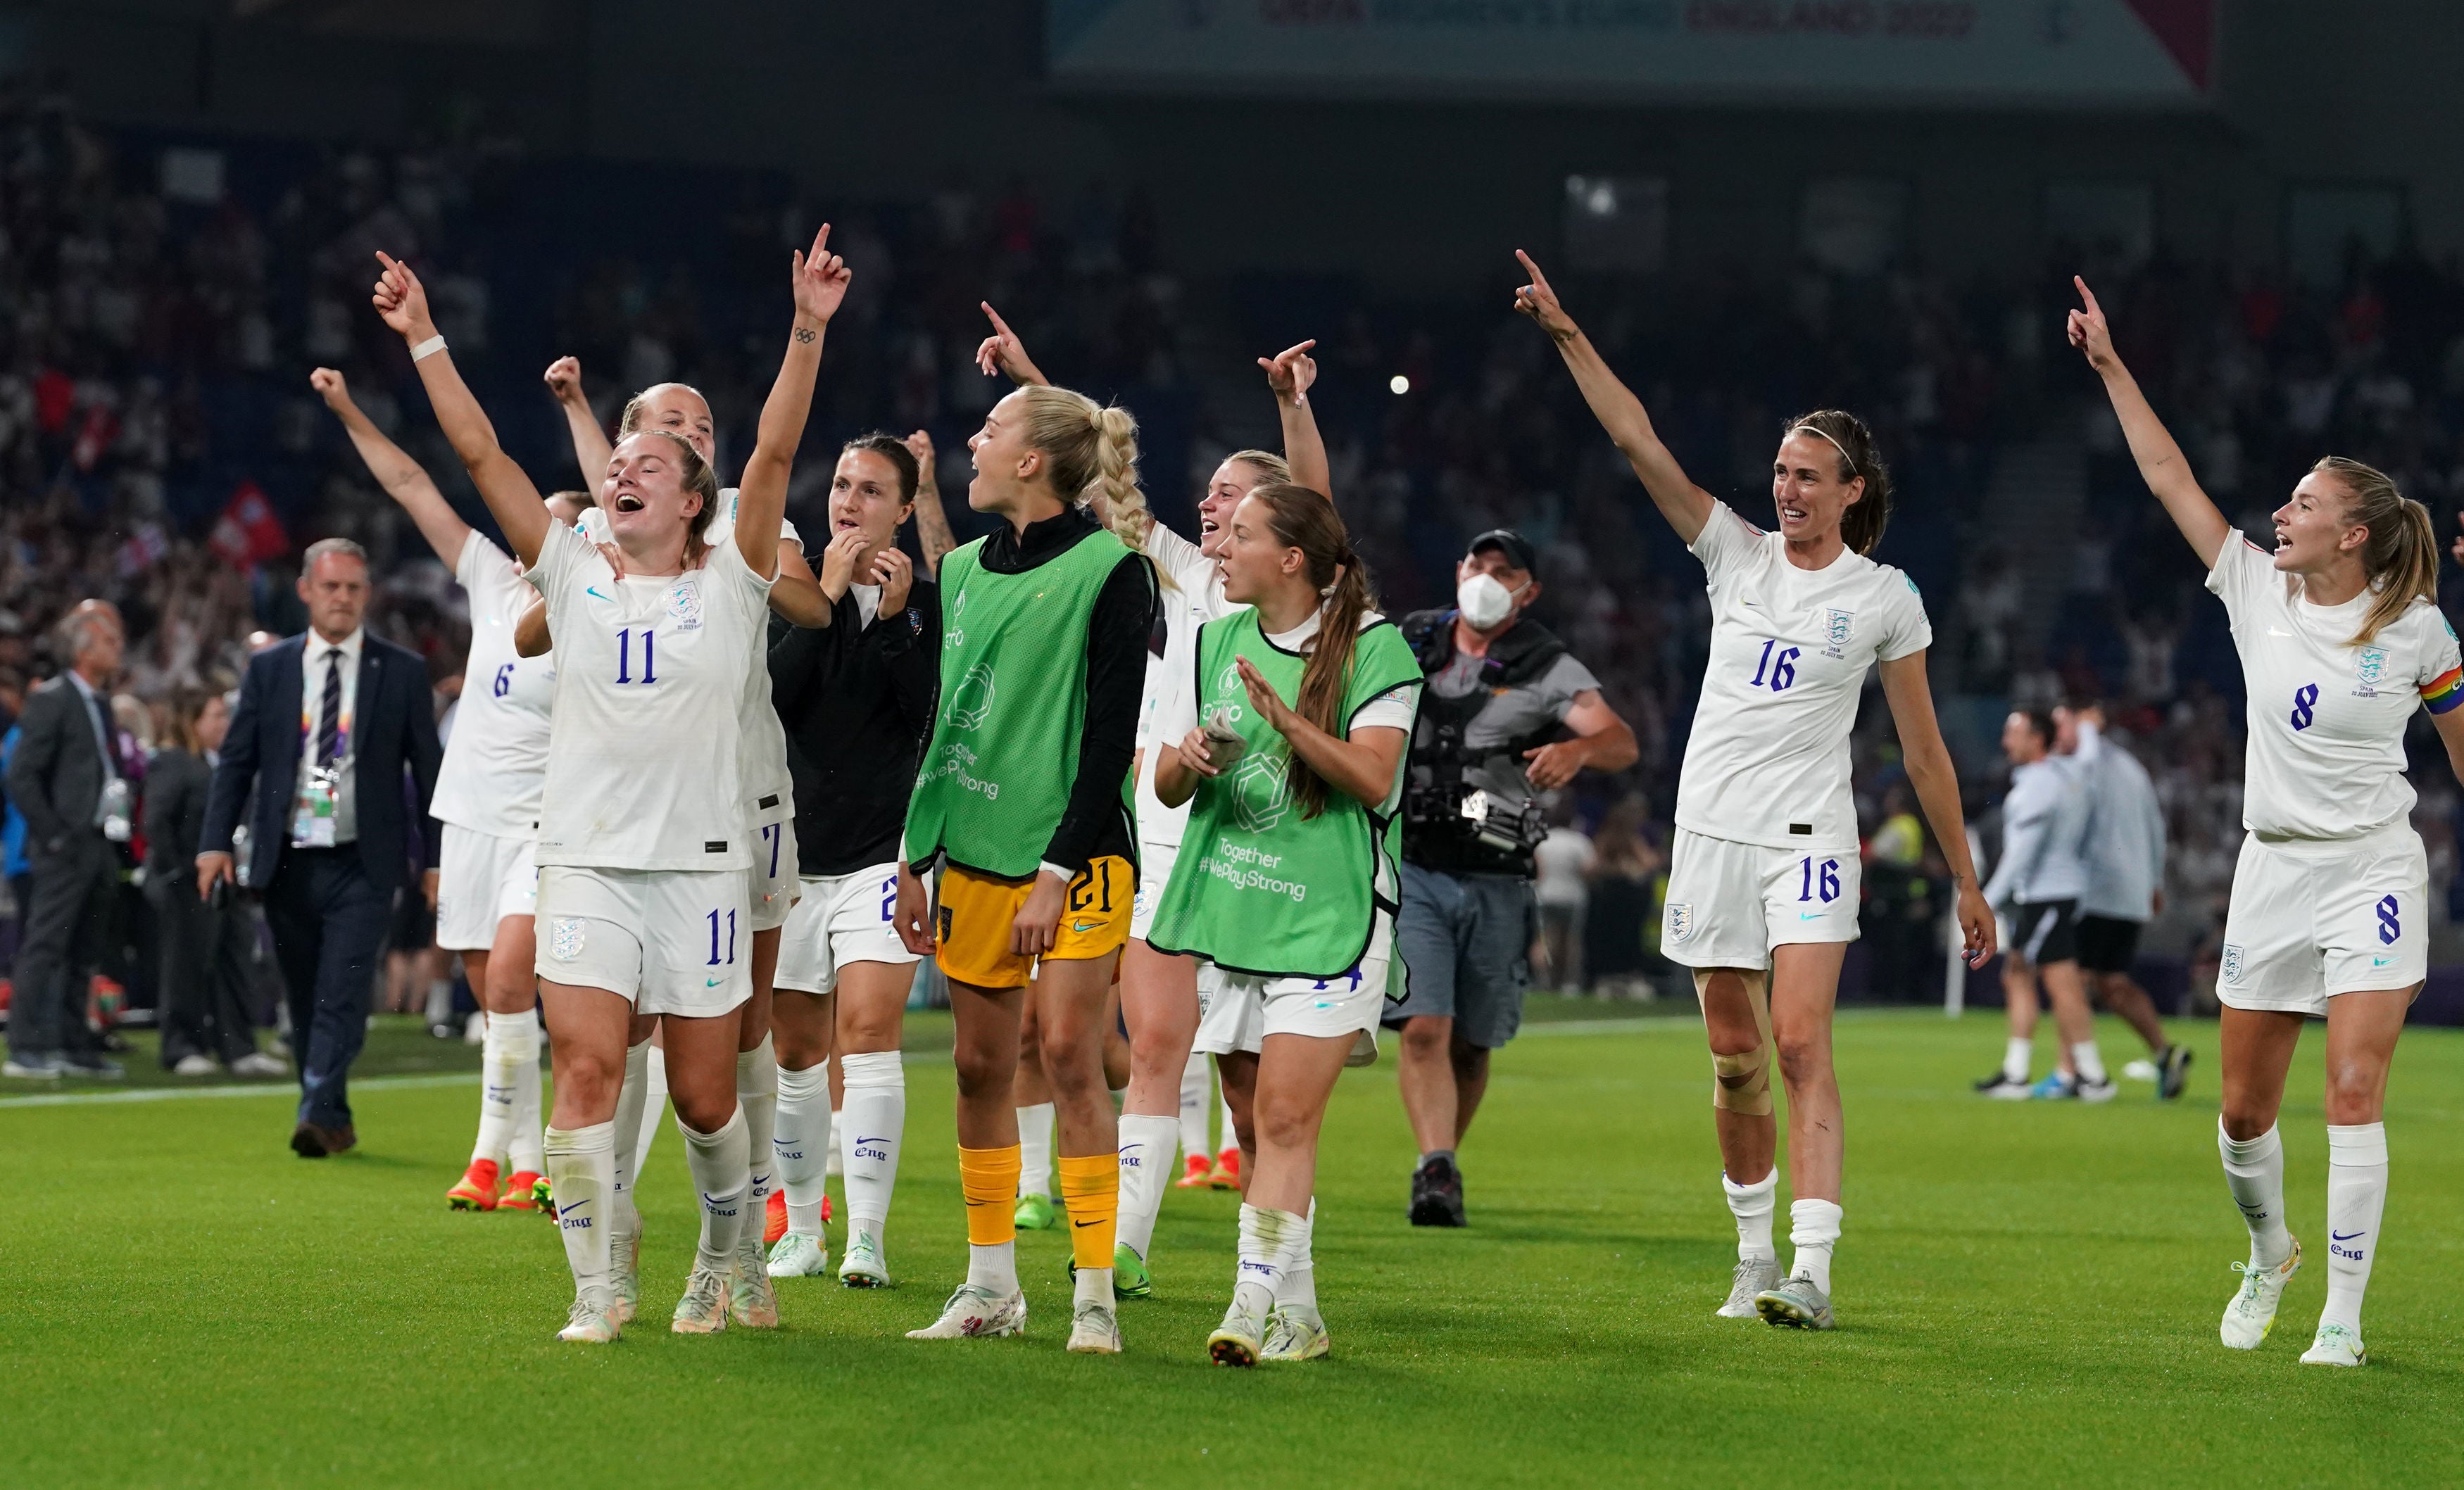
{"x": 2312, "y": 531}
{"x": 1251, "y": 558}
{"x": 1806, "y": 487}
{"x": 865, "y": 497}
{"x": 645, "y": 494}
{"x": 1232, "y": 481}
{"x": 679, "y": 410}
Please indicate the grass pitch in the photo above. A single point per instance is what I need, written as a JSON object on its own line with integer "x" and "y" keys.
{"x": 2027, "y": 1292}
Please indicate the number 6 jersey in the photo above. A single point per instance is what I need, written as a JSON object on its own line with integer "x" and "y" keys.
{"x": 2326, "y": 717}
{"x": 644, "y": 769}
{"x": 498, "y": 755}
{"x": 1768, "y": 759}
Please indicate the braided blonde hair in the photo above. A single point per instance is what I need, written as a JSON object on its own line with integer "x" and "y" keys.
{"x": 1095, "y": 452}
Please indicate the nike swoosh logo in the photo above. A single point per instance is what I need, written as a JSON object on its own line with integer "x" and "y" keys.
{"x": 1809, "y": 915}
{"x": 594, "y": 590}
{"x": 1083, "y": 1225}
{"x": 1082, "y": 928}
{"x": 2334, "y": 1235}
{"x": 712, "y": 983}
{"x": 2380, "y": 962}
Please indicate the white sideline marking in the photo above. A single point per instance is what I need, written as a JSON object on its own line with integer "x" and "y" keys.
{"x": 289, "y": 1089}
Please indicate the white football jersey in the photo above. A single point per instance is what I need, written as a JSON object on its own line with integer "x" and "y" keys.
{"x": 769, "y": 792}
{"x": 644, "y": 769}
{"x": 497, "y": 755}
{"x": 2326, "y": 718}
{"x": 1194, "y": 598}
{"x": 1768, "y": 759}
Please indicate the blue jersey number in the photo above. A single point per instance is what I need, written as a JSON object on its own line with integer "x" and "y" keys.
{"x": 714, "y": 959}
{"x": 1782, "y": 668}
{"x": 504, "y": 683}
{"x": 2389, "y": 927}
{"x": 1827, "y": 886}
{"x": 649, "y": 656}
{"x": 2304, "y": 699}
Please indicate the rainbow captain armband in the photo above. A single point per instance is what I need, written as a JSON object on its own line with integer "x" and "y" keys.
{"x": 2444, "y": 692}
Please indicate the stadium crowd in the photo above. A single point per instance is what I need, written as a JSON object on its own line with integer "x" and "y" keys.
{"x": 160, "y": 447}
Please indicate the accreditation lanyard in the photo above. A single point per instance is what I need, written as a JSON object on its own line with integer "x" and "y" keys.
{"x": 313, "y": 820}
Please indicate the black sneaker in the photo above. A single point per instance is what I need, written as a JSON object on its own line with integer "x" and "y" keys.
{"x": 1437, "y": 1194}
{"x": 2172, "y": 1072}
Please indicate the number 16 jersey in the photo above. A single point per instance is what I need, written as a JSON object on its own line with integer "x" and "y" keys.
{"x": 1767, "y": 762}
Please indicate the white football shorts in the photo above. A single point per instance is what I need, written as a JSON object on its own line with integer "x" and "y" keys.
{"x": 480, "y": 880}
{"x": 843, "y": 919}
{"x": 1730, "y": 904}
{"x": 669, "y": 941}
{"x": 1238, "y": 1012}
{"x": 2312, "y": 920}
{"x": 771, "y": 886}
{"x": 1154, "y": 873}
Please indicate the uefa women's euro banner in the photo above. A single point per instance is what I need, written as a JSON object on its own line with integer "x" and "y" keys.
{"x": 1909, "y": 52}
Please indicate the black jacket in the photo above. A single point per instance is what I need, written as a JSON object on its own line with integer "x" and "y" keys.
{"x": 57, "y": 775}
{"x": 176, "y": 783}
{"x": 394, "y": 731}
{"x": 857, "y": 705}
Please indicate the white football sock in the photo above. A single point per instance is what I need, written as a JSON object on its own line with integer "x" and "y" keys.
{"x": 522, "y": 1148}
{"x": 1813, "y": 1231}
{"x": 837, "y": 1160}
{"x": 1753, "y": 1206}
{"x": 1147, "y": 1145}
{"x": 1035, "y": 1150}
{"x": 2254, "y": 1174}
{"x": 875, "y": 1129}
{"x": 1259, "y": 1272}
{"x": 1090, "y": 1286}
{"x": 802, "y": 1139}
{"x": 499, "y": 1089}
{"x": 993, "y": 1270}
{"x": 2087, "y": 1064}
{"x": 2016, "y": 1053}
{"x": 756, "y": 1097}
{"x": 720, "y": 1172}
{"x": 580, "y": 1165}
{"x": 2357, "y": 1181}
{"x": 1229, "y": 1137}
{"x": 1297, "y": 1288}
{"x": 624, "y": 1217}
{"x": 1195, "y": 1090}
{"x": 654, "y": 1105}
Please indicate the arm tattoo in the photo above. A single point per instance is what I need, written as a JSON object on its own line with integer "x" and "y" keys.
{"x": 804, "y": 337}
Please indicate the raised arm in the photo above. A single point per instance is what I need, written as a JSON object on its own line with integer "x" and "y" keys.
{"x": 395, "y": 470}
{"x": 590, "y": 447}
{"x": 820, "y": 282}
{"x": 932, "y": 533}
{"x": 2160, "y": 460}
{"x": 1290, "y": 373}
{"x": 1003, "y": 353}
{"x": 1686, "y": 506}
{"x": 402, "y": 303}
{"x": 1937, "y": 786}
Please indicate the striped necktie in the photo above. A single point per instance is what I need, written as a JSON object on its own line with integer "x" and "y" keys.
{"x": 329, "y": 724}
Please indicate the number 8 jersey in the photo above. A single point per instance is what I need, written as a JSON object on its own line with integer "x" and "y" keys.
{"x": 1767, "y": 762}
{"x": 643, "y": 767}
{"x": 2326, "y": 717}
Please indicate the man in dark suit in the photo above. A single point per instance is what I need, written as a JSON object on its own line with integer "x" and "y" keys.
{"x": 327, "y": 723}
{"x": 67, "y": 781}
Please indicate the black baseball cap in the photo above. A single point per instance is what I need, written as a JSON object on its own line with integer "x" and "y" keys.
{"x": 1516, "y": 548}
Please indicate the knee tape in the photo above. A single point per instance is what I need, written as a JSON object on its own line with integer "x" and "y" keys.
{"x": 1742, "y": 1083}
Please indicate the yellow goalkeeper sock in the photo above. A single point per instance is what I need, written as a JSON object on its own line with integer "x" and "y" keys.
{"x": 989, "y": 1180}
{"x": 1091, "y": 1187}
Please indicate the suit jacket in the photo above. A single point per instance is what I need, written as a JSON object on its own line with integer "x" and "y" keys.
{"x": 176, "y": 782}
{"x": 393, "y": 730}
{"x": 55, "y": 777}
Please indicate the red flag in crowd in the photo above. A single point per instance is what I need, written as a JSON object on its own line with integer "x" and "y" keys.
{"x": 248, "y": 532}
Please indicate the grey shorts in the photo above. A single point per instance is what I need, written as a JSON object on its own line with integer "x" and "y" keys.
{"x": 1466, "y": 939}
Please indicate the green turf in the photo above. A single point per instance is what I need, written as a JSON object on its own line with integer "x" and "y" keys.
{"x": 2028, "y": 1294}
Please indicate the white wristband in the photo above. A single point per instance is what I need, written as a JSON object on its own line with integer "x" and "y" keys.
{"x": 428, "y": 348}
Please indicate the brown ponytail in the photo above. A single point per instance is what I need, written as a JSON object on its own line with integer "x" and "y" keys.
{"x": 1303, "y": 519}
{"x": 1861, "y": 525}
{"x": 2401, "y": 555}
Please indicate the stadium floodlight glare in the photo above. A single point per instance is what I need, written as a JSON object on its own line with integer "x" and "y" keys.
{"x": 1398, "y": 385}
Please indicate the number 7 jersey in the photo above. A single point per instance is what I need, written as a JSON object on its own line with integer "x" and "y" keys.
{"x": 1767, "y": 762}
{"x": 2326, "y": 717}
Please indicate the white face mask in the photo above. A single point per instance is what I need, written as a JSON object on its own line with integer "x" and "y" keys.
{"x": 1485, "y": 602}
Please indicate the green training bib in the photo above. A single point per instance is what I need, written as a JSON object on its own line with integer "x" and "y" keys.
{"x": 1258, "y": 888}
{"x": 997, "y": 771}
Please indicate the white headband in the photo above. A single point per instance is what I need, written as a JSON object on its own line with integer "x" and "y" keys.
{"x": 1835, "y": 445}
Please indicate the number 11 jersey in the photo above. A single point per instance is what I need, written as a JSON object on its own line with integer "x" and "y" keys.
{"x": 1767, "y": 762}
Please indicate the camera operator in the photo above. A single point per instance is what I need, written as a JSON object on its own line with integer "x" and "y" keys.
{"x": 1501, "y": 693}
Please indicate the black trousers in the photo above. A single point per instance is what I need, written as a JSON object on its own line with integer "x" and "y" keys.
{"x": 329, "y": 922}
{"x": 206, "y": 952}
{"x": 66, "y": 920}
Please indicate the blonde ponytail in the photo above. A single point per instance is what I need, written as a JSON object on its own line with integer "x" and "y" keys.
{"x": 1093, "y": 453}
{"x": 1116, "y": 476}
{"x": 2400, "y": 556}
